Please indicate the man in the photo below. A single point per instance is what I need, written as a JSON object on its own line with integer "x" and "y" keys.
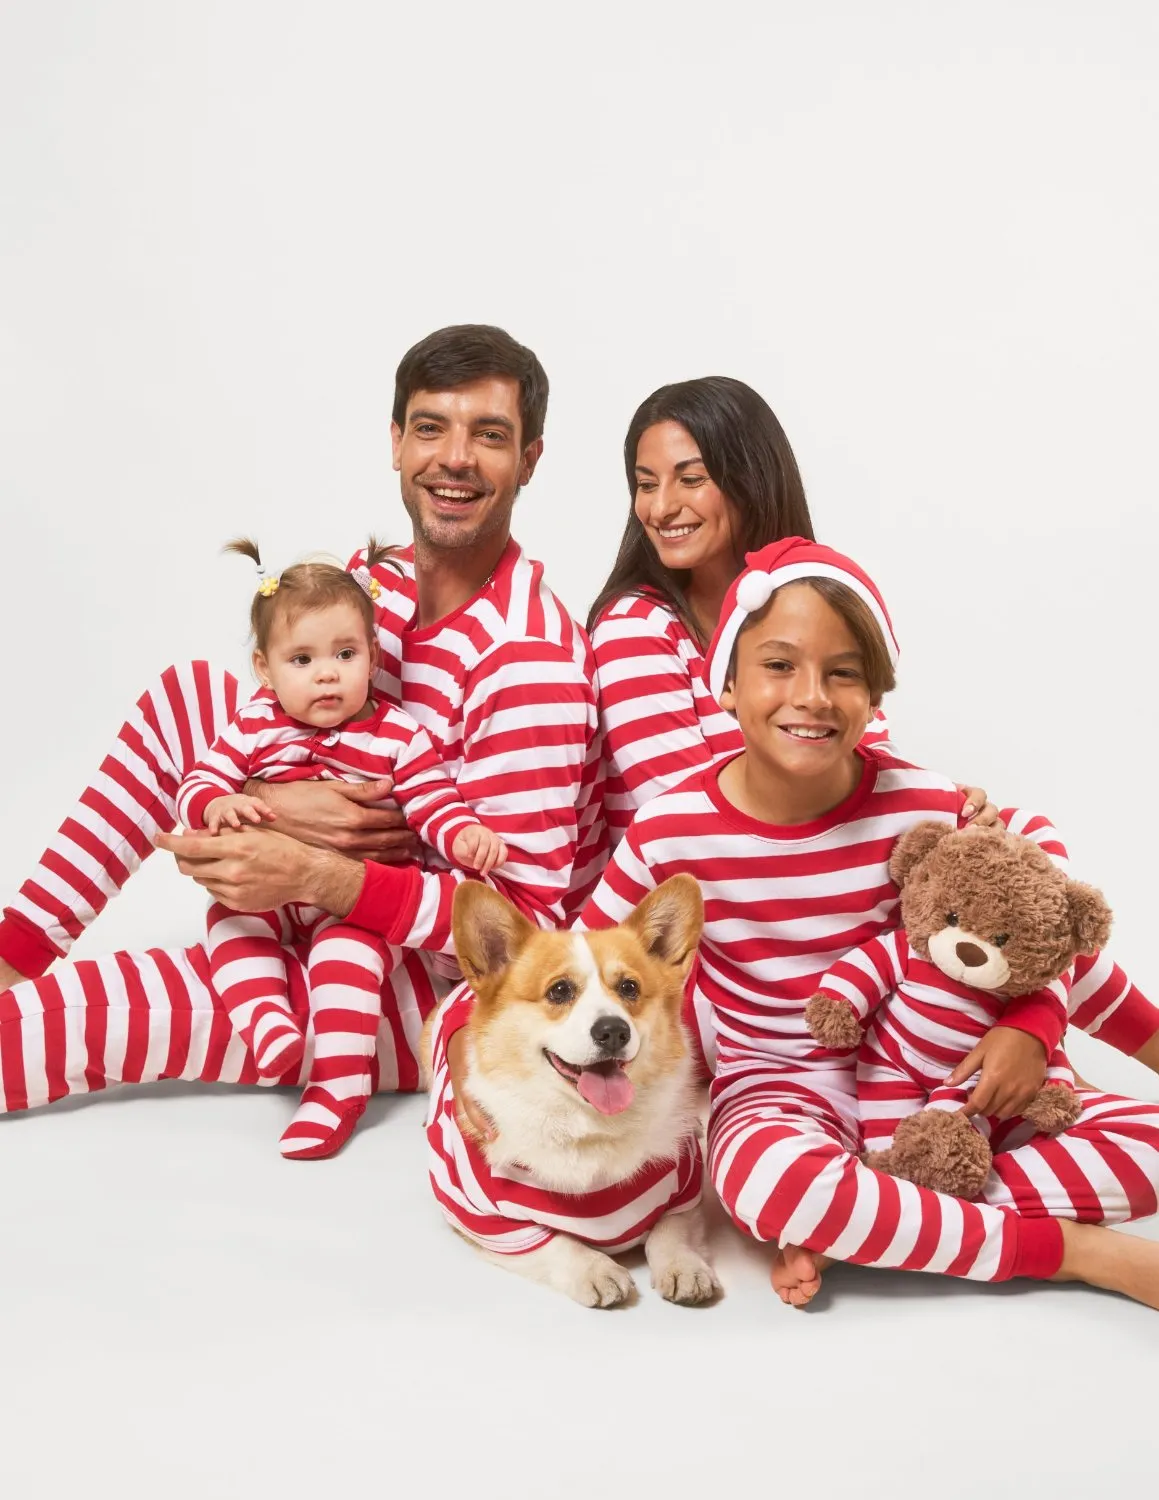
{"x": 475, "y": 646}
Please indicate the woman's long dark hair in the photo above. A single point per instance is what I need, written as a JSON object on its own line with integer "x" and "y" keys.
{"x": 748, "y": 458}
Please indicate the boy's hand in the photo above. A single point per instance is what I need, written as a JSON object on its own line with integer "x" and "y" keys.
{"x": 1013, "y": 1067}
{"x": 235, "y": 810}
{"x": 477, "y": 848}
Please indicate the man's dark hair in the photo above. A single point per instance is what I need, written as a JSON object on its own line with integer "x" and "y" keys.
{"x": 451, "y": 357}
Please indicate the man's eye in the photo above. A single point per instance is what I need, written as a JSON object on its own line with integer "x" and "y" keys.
{"x": 425, "y": 428}
{"x": 493, "y": 437}
{"x": 561, "y": 992}
{"x": 628, "y": 989}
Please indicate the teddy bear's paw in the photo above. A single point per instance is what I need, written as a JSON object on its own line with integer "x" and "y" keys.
{"x": 833, "y": 1023}
{"x": 940, "y": 1150}
{"x": 1053, "y": 1109}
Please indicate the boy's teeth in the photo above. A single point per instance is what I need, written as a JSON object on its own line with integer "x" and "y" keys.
{"x": 810, "y": 734}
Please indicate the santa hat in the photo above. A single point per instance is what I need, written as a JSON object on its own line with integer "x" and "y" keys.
{"x": 786, "y": 561}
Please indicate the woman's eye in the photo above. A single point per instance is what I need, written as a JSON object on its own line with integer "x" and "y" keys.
{"x": 951, "y": 919}
{"x": 561, "y": 992}
{"x": 644, "y": 489}
{"x": 1001, "y": 940}
{"x": 628, "y": 989}
{"x": 690, "y": 481}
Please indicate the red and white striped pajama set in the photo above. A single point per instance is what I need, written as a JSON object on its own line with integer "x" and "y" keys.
{"x": 508, "y": 1212}
{"x": 927, "y": 1025}
{"x": 345, "y": 964}
{"x": 782, "y": 905}
{"x": 503, "y": 686}
{"x": 660, "y": 723}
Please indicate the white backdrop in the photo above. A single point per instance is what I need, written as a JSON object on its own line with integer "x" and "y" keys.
{"x": 927, "y": 233}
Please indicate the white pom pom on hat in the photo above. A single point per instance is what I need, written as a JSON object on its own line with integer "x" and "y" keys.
{"x": 788, "y": 561}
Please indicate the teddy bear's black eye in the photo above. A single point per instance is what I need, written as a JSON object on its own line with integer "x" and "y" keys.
{"x": 951, "y": 919}
{"x": 1001, "y": 940}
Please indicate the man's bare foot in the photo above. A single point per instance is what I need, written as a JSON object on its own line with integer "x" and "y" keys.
{"x": 8, "y": 977}
{"x": 1117, "y": 1262}
{"x": 796, "y": 1274}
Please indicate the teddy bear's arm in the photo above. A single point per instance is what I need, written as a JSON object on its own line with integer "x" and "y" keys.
{"x": 866, "y": 975}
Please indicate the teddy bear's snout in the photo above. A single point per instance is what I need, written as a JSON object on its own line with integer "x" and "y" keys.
{"x": 971, "y": 955}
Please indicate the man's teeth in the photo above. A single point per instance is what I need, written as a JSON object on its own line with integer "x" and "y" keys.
{"x": 672, "y": 533}
{"x": 807, "y": 734}
{"x": 445, "y": 494}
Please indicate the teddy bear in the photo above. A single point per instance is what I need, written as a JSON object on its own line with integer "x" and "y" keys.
{"x": 987, "y": 918}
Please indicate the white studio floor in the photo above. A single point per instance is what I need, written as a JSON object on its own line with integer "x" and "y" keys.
{"x": 187, "y": 1315}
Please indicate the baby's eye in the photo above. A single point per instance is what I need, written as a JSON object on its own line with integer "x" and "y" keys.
{"x": 1001, "y": 940}
{"x": 346, "y": 654}
{"x": 951, "y": 919}
{"x": 628, "y": 989}
{"x": 301, "y": 660}
{"x": 561, "y": 992}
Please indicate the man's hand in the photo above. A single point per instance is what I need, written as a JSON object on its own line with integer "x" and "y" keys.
{"x": 255, "y": 869}
{"x": 338, "y": 815}
{"x": 476, "y": 1115}
{"x": 1013, "y": 1067}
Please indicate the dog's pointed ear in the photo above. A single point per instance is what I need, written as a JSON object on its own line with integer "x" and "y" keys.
{"x": 489, "y": 933}
{"x": 669, "y": 921}
{"x": 912, "y": 848}
{"x": 1090, "y": 917}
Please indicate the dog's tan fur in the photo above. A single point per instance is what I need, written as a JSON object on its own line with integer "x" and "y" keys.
{"x": 541, "y": 1120}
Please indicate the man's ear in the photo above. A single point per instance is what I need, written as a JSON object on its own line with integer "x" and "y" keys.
{"x": 531, "y": 456}
{"x": 489, "y": 933}
{"x": 261, "y": 668}
{"x": 395, "y": 445}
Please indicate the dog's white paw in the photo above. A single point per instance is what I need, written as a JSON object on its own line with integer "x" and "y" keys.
{"x": 686, "y": 1278}
{"x": 604, "y": 1283}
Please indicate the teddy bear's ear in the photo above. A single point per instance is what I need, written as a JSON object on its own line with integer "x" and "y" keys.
{"x": 1090, "y": 916}
{"x": 912, "y": 848}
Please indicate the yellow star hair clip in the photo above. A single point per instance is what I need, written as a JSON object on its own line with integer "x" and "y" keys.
{"x": 268, "y": 587}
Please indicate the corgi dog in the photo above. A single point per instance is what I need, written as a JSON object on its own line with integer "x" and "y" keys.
{"x": 575, "y": 1049}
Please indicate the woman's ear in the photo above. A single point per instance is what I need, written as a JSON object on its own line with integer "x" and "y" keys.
{"x": 261, "y": 668}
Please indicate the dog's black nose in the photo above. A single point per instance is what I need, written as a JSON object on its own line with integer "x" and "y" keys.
{"x": 611, "y": 1033}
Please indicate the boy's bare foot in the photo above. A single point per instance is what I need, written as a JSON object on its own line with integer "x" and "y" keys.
{"x": 796, "y": 1274}
{"x": 8, "y": 977}
{"x": 1117, "y": 1262}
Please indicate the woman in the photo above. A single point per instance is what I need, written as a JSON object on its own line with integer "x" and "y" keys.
{"x": 712, "y": 477}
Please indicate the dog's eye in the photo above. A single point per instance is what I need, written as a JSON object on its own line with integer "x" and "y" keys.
{"x": 628, "y": 989}
{"x": 1001, "y": 940}
{"x": 951, "y": 919}
{"x": 561, "y": 992}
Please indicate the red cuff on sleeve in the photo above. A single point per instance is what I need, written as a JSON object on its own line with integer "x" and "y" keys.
{"x": 456, "y": 1015}
{"x": 1037, "y": 1249}
{"x": 1040, "y": 1015}
{"x": 24, "y": 947}
{"x": 195, "y": 807}
{"x": 388, "y": 900}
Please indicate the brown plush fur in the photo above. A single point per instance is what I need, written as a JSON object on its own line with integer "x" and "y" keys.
{"x": 833, "y": 1023}
{"x": 996, "y": 883}
{"x": 938, "y": 1150}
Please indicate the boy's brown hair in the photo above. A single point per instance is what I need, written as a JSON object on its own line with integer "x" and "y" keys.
{"x": 879, "y": 674}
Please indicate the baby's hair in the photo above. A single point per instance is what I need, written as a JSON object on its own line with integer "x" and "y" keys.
{"x": 307, "y": 586}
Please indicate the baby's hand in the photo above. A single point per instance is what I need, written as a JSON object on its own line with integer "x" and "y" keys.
{"x": 477, "y": 848}
{"x": 234, "y": 810}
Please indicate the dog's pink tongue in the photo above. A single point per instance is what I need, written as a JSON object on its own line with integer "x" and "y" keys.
{"x": 606, "y": 1087}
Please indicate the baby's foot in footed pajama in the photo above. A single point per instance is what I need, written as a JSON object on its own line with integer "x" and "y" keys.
{"x": 796, "y": 1274}
{"x": 322, "y": 1124}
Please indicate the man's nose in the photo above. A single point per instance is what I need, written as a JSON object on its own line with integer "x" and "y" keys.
{"x": 456, "y": 451}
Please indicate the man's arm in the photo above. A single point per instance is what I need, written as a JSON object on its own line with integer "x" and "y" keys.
{"x": 257, "y": 869}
